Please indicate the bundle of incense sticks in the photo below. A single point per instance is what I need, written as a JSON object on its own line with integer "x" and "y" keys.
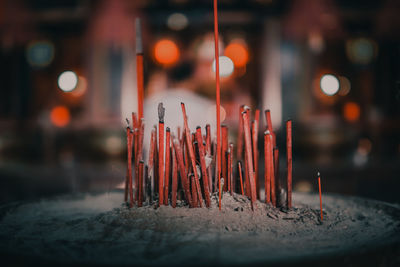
{"x": 190, "y": 159}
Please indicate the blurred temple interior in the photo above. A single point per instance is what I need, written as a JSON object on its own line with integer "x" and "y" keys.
{"x": 68, "y": 82}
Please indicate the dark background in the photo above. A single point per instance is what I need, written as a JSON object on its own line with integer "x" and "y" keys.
{"x": 357, "y": 154}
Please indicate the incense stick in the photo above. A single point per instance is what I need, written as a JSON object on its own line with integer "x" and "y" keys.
{"x": 224, "y": 133}
{"x": 289, "y": 162}
{"x": 240, "y": 176}
{"x": 181, "y": 166}
{"x": 320, "y": 197}
{"x": 191, "y": 154}
{"x": 174, "y": 179}
{"x": 217, "y": 100}
{"x": 267, "y": 162}
{"x": 161, "y": 113}
{"x": 247, "y": 141}
{"x": 203, "y": 166}
{"x": 167, "y": 164}
{"x": 139, "y": 68}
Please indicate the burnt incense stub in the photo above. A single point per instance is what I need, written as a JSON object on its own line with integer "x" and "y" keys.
{"x": 161, "y": 112}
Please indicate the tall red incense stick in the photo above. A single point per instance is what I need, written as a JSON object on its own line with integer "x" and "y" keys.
{"x": 139, "y": 68}
{"x": 203, "y": 166}
{"x": 247, "y": 142}
{"x": 320, "y": 198}
{"x": 217, "y": 100}
{"x": 191, "y": 154}
{"x": 161, "y": 111}
{"x": 167, "y": 163}
{"x": 289, "y": 162}
{"x": 240, "y": 134}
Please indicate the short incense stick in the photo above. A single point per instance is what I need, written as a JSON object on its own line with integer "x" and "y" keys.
{"x": 139, "y": 155}
{"x": 320, "y": 197}
{"x": 230, "y": 169}
{"x": 240, "y": 134}
{"x": 194, "y": 193}
{"x": 139, "y": 68}
{"x": 276, "y": 169}
{"x": 204, "y": 175}
{"x": 150, "y": 165}
{"x": 267, "y": 162}
{"x": 129, "y": 161}
{"x": 208, "y": 153}
{"x": 224, "y": 138}
{"x": 167, "y": 163}
{"x": 272, "y": 171}
{"x": 247, "y": 141}
{"x": 181, "y": 166}
{"x": 289, "y": 162}
{"x": 217, "y": 100}
{"x": 191, "y": 154}
{"x": 240, "y": 176}
{"x": 161, "y": 113}
{"x": 174, "y": 179}
{"x": 269, "y": 125}
{"x": 140, "y": 186}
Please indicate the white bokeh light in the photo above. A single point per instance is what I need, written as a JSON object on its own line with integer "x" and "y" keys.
{"x": 225, "y": 66}
{"x": 329, "y": 84}
{"x": 67, "y": 81}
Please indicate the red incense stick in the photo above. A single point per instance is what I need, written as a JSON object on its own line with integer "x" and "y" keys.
{"x": 151, "y": 163}
{"x": 255, "y": 128}
{"x": 167, "y": 164}
{"x": 269, "y": 125}
{"x": 184, "y": 180}
{"x": 194, "y": 193}
{"x": 174, "y": 179}
{"x": 247, "y": 142}
{"x": 230, "y": 176}
{"x": 191, "y": 154}
{"x": 140, "y": 198}
{"x": 224, "y": 132}
{"x": 320, "y": 197}
{"x": 139, "y": 155}
{"x": 289, "y": 162}
{"x": 276, "y": 168}
{"x": 240, "y": 176}
{"x": 203, "y": 166}
{"x": 128, "y": 161}
{"x": 240, "y": 134}
{"x": 161, "y": 111}
{"x": 272, "y": 171}
{"x": 267, "y": 161}
{"x": 139, "y": 68}
{"x": 217, "y": 99}
{"x": 208, "y": 153}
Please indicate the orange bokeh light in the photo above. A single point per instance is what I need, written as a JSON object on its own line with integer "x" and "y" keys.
{"x": 60, "y": 116}
{"x": 166, "y": 52}
{"x": 238, "y": 53}
{"x": 351, "y": 111}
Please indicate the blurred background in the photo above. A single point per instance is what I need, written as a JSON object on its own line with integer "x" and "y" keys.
{"x": 68, "y": 81}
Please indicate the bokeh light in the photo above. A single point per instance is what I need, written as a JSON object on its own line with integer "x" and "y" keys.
{"x": 329, "y": 84}
{"x": 166, "y": 52}
{"x": 40, "y": 53}
{"x": 238, "y": 53}
{"x": 81, "y": 87}
{"x": 361, "y": 50}
{"x": 177, "y": 21}
{"x": 351, "y": 111}
{"x": 211, "y": 112}
{"x": 345, "y": 86}
{"x": 67, "y": 81}
{"x": 60, "y": 116}
{"x": 226, "y": 66}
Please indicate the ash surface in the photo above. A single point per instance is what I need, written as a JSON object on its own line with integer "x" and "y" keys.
{"x": 98, "y": 229}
